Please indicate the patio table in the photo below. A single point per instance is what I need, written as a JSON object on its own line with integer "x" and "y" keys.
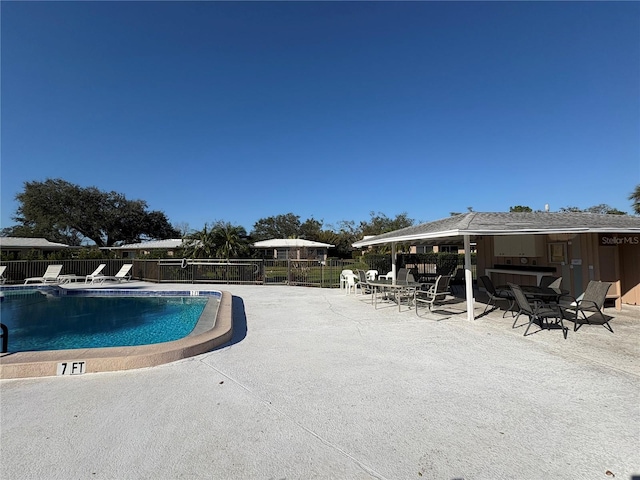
{"x": 397, "y": 288}
{"x": 544, "y": 294}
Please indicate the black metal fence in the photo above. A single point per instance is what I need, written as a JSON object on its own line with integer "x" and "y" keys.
{"x": 251, "y": 271}
{"x": 18, "y": 270}
{"x": 200, "y": 271}
{"x": 310, "y": 273}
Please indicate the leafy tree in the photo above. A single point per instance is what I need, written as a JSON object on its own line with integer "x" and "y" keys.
{"x": 570, "y": 209}
{"x": 635, "y": 198}
{"x": 380, "y": 223}
{"x": 280, "y": 226}
{"x": 605, "y": 209}
{"x": 183, "y": 228}
{"x": 342, "y": 236}
{"x": 63, "y": 212}
{"x": 601, "y": 209}
{"x": 311, "y": 229}
{"x": 520, "y": 208}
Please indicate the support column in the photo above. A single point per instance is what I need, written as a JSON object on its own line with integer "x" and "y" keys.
{"x": 393, "y": 262}
{"x": 468, "y": 277}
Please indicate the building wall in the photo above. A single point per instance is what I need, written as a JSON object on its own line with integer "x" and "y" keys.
{"x": 630, "y": 274}
{"x": 138, "y": 252}
{"x": 296, "y": 253}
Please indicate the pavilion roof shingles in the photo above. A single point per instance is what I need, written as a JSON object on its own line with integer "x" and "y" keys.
{"x": 505, "y": 223}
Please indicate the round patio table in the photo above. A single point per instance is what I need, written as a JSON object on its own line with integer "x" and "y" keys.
{"x": 545, "y": 294}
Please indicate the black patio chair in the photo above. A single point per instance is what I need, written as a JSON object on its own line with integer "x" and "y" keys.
{"x": 538, "y": 312}
{"x": 591, "y": 301}
{"x": 401, "y": 275}
{"x": 495, "y": 295}
{"x": 363, "y": 282}
{"x": 434, "y": 293}
{"x": 457, "y": 281}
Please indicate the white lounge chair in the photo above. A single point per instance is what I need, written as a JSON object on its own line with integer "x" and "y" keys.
{"x": 50, "y": 275}
{"x": 122, "y": 275}
{"x": 2, "y": 278}
{"x": 96, "y": 275}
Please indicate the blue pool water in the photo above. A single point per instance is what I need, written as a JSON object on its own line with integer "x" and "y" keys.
{"x": 42, "y": 320}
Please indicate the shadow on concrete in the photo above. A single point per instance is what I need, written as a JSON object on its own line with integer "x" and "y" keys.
{"x": 486, "y": 312}
{"x": 239, "y": 322}
{"x": 445, "y": 309}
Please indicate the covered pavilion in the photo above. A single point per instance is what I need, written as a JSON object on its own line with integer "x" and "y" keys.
{"x": 578, "y": 246}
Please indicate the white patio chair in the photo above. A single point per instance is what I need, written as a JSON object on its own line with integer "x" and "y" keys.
{"x": 351, "y": 282}
{"x": 372, "y": 274}
{"x": 343, "y": 277}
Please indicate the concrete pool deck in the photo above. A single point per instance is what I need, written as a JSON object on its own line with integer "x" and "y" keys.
{"x": 317, "y": 384}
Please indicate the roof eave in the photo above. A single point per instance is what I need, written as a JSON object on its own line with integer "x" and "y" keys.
{"x": 489, "y": 232}
{"x": 406, "y": 238}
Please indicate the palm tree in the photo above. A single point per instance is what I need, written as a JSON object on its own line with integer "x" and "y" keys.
{"x": 200, "y": 244}
{"x": 231, "y": 240}
{"x": 635, "y": 198}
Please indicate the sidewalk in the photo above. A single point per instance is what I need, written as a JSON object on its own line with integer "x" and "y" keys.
{"x": 318, "y": 384}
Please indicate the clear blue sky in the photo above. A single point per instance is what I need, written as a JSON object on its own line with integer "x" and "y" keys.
{"x": 239, "y": 111}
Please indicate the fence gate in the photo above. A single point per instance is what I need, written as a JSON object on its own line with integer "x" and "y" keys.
{"x": 309, "y": 273}
{"x": 204, "y": 271}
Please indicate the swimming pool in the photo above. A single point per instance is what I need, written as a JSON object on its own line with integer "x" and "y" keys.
{"x": 46, "y": 320}
{"x": 213, "y": 329}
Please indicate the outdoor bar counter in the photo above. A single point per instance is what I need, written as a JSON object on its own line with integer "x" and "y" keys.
{"x": 538, "y": 274}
